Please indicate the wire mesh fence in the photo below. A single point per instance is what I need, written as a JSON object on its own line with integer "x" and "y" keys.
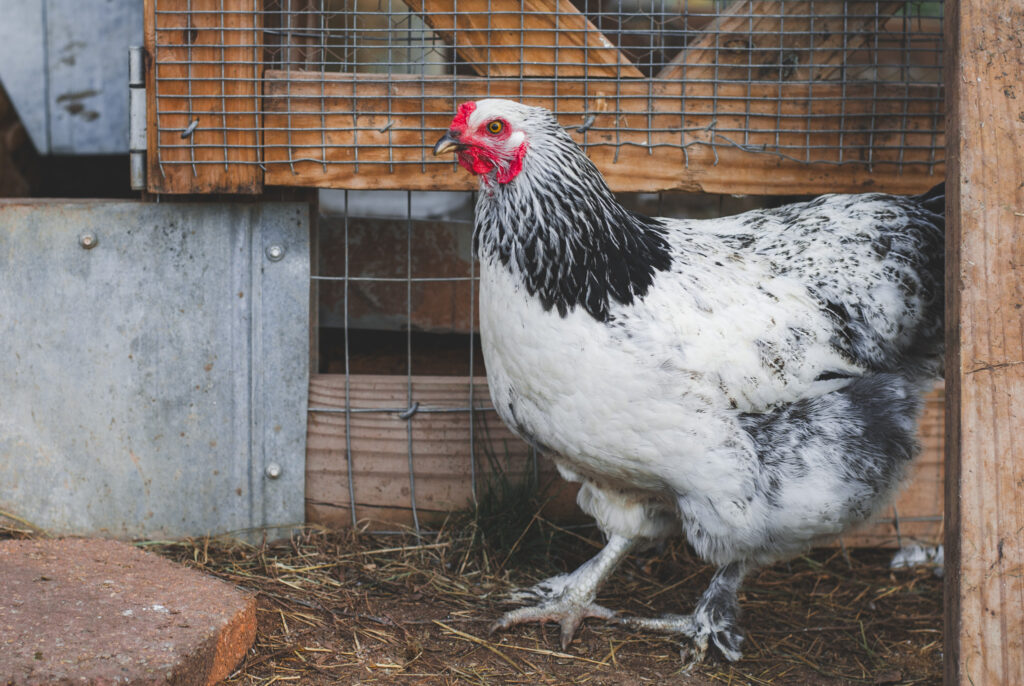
{"x": 324, "y": 92}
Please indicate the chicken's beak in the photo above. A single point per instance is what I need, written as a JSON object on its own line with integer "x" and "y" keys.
{"x": 448, "y": 142}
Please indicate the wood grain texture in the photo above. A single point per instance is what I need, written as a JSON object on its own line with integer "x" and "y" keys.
{"x": 771, "y": 40}
{"x": 204, "y": 67}
{"x": 380, "y": 452}
{"x": 376, "y": 133}
{"x": 985, "y": 333}
{"x": 441, "y": 460}
{"x": 525, "y": 38}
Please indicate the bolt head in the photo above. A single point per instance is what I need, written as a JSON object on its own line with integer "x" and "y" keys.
{"x": 273, "y": 470}
{"x": 88, "y": 240}
{"x": 275, "y": 252}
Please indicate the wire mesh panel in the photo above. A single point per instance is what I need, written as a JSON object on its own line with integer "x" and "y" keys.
{"x": 743, "y": 96}
{"x": 203, "y": 106}
{"x": 401, "y": 429}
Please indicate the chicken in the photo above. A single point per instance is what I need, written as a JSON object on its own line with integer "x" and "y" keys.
{"x": 752, "y": 381}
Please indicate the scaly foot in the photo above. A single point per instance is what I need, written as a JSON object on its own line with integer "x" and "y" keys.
{"x": 698, "y": 628}
{"x": 566, "y": 610}
{"x": 569, "y": 598}
{"x": 714, "y": 619}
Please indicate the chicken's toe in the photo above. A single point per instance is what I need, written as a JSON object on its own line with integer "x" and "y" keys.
{"x": 567, "y": 613}
{"x": 699, "y": 628}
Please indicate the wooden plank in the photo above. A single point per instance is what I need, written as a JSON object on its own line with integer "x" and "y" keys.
{"x": 203, "y": 70}
{"x": 517, "y": 38}
{"x": 376, "y": 133}
{"x": 380, "y": 452}
{"x": 906, "y": 50}
{"x": 772, "y": 40}
{"x": 985, "y": 332}
{"x": 441, "y": 450}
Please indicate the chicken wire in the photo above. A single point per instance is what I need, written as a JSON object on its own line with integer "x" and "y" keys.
{"x": 351, "y": 279}
{"x": 867, "y": 76}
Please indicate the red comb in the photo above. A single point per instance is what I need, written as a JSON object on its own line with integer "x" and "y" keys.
{"x": 462, "y": 114}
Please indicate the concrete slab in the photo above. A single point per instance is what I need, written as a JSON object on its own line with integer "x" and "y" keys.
{"x": 88, "y": 611}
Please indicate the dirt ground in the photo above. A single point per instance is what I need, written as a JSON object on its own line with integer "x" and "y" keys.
{"x": 342, "y": 608}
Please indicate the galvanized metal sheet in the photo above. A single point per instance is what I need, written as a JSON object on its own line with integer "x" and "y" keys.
{"x": 64, "y": 64}
{"x": 154, "y": 380}
{"x": 23, "y": 65}
{"x": 87, "y": 57}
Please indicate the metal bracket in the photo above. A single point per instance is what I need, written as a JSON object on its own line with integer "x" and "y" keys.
{"x": 137, "y": 116}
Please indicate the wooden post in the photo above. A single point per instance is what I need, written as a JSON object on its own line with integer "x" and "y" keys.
{"x": 985, "y": 335}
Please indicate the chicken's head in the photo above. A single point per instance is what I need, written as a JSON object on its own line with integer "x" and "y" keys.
{"x": 490, "y": 136}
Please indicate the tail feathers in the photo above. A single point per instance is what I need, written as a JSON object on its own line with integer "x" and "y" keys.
{"x": 868, "y": 428}
{"x": 934, "y": 200}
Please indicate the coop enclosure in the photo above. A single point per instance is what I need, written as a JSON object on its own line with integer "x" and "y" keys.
{"x": 668, "y": 97}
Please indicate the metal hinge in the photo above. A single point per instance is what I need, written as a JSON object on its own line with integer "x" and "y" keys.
{"x": 137, "y": 115}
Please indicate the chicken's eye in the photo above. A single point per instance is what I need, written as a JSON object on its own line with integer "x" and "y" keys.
{"x": 496, "y": 126}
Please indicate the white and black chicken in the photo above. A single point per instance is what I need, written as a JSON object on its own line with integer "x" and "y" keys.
{"x": 754, "y": 380}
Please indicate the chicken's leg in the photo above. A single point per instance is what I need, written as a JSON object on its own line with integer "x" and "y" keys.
{"x": 569, "y": 598}
{"x": 714, "y": 618}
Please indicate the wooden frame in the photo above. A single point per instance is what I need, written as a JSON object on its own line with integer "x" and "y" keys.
{"x": 699, "y": 129}
{"x": 985, "y": 346}
{"x": 365, "y": 152}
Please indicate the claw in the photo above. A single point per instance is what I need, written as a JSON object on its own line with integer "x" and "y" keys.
{"x": 569, "y": 598}
{"x": 698, "y": 628}
{"x": 692, "y": 655}
{"x": 714, "y": 619}
{"x": 568, "y": 614}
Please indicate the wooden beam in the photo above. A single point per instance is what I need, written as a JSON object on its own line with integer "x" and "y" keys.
{"x": 985, "y": 333}
{"x": 203, "y": 96}
{"x": 373, "y": 132}
{"x": 517, "y": 38}
{"x": 772, "y": 40}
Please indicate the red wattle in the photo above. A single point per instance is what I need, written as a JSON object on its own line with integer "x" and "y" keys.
{"x": 472, "y": 160}
{"x": 516, "y": 166}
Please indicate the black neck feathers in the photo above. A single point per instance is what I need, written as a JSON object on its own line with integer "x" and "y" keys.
{"x": 559, "y": 228}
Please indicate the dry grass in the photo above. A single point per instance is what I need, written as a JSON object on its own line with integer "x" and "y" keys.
{"x": 348, "y": 608}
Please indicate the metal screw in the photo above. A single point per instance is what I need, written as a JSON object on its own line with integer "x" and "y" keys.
{"x": 273, "y": 470}
{"x": 88, "y": 240}
{"x": 275, "y": 252}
